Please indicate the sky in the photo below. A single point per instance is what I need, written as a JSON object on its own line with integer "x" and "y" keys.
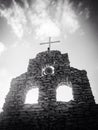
{"x": 24, "y": 24}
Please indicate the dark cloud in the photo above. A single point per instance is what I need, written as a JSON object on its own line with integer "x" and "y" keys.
{"x": 20, "y": 2}
{"x": 8, "y": 3}
{"x": 5, "y": 3}
{"x": 92, "y": 5}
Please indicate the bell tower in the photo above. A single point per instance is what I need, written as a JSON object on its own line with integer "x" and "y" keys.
{"x": 46, "y": 72}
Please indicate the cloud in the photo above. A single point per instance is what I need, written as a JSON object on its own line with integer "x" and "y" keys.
{"x": 15, "y": 18}
{"x": 47, "y": 28}
{"x": 2, "y": 48}
{"x": 43, "y": 18}
{"x": 5, "y": 3}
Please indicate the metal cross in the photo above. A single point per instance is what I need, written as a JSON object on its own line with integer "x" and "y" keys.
{"x": 49, "y": 43}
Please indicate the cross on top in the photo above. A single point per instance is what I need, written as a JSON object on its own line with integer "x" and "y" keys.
{"x": 49, "y": 43}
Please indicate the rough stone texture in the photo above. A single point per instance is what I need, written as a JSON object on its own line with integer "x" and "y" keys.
{"x": 47, "y": 71}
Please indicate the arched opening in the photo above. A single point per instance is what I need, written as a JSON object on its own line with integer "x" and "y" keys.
{"x": 64, "y": 93}
{"x": 32, "y": 96}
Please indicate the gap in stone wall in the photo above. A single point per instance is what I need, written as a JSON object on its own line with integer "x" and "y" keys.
{"x": 64, "y": 93}
{"x": 32, "y": 96}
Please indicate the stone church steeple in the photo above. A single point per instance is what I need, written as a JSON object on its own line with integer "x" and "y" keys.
{"x": 47, "y": 71}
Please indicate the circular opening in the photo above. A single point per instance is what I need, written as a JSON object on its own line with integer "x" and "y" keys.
{"x": 48, "y": 70}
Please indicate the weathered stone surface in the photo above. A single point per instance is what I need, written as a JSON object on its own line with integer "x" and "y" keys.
{"x": 47, "y": 71}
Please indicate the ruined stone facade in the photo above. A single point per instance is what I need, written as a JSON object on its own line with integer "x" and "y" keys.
{"x": 47, "y": 71}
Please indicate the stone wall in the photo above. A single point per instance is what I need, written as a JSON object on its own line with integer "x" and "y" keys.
{"x": 47, "y": 71}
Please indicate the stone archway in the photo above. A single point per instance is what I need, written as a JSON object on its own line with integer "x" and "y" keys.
{"x": 20, "y": 86}
{"x": 64, "y": 92}
{"x": 32, "y": 96}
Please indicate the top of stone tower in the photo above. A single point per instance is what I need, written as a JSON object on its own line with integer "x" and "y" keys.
{"x": 52, "y": 58}
{"x": 52, "y": 52}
